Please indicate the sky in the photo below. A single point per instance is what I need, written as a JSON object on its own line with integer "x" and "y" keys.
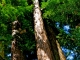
{"x": 69, "y": 53}
{"x": 66, "y": 28}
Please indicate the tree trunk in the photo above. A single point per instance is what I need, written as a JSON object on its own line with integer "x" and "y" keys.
{"x": 15, "y": 51}
{"x": 61, "y": 54}
{"x": 42, "y": 44}
{"x": 57, "y": 52}
{"x": 52, "y": 40}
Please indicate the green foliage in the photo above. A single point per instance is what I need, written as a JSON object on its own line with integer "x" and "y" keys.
{"x": 10, "y": 10}
{"x": 76, "y": 37}
{"x": 61, "y": 10}
{"x": 64, "y": 12}
{"x": 19, "y": 2}
{"x": 44, "y": 5}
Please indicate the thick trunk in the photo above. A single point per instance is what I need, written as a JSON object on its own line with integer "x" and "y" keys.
{"x": 52, "y": 40}
{"x": 15, "y": 51}
{"x": 57, "y": 52}
{"x": 42, "y": 44}
{"x": 61, "y": 54}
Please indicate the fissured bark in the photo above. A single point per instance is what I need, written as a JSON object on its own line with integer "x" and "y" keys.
{"x": 42, "y": 43}
{"x": 16, "y": 53}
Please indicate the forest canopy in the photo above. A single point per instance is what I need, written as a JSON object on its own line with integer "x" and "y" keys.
{"x": 63, "y": 12}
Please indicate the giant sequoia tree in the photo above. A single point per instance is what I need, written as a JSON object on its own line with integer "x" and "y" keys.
{"x": 42, "y": 43}
{"x": 47, "y": 47}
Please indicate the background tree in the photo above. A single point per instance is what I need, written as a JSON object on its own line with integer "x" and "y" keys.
{"x": 16, "y": 53}
{"x": 9, "y": 10}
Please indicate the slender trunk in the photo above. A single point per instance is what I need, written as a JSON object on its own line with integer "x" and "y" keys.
{"x": 16, "y": 52}
{"x": 42, "y": 44}
{"x": 61, "y": 54}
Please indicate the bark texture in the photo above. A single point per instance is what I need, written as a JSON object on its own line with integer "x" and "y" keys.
{"x": 42, "y": 44}
{"x": 15, "y": 51}
{"x": 55, "y": 46}
{"x": 61, "y": 54}
{"x": 52, "y": 40}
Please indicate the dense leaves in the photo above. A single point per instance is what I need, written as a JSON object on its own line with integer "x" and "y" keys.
{"x": 65, "y": 12}
{"x": 10, "y": 11}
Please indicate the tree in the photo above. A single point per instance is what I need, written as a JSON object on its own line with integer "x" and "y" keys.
{"x": 55, "y": 46}
{"x": 15, "y": 49}
{"x": 42, "y": 43}
{"x": 66, "y": 13}
{"x": 61, "y": 54}
{"x": 40, "y": 36}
